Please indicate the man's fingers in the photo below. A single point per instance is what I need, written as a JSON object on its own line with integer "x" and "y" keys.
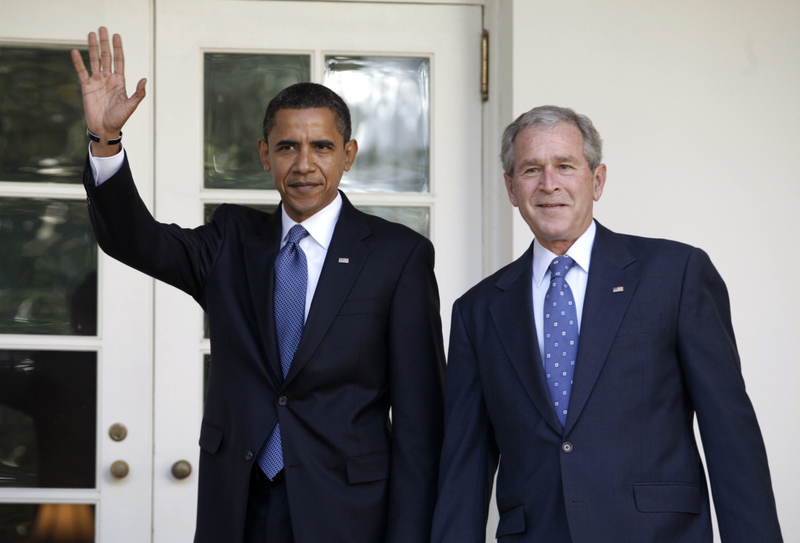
{"x": 80, "y": 67}
{"x": 138, "y": 96}
{"x": 105, "y": 50}
{"x": 94, "y": 54}
{"x": 119, "y": 58}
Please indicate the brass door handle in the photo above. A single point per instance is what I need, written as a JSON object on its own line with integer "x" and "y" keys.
{"x": 181, "y": 469}
{"x": 119, "y": 469}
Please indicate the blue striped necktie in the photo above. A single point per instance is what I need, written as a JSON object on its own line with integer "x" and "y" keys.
{"x": 291, "y": 280}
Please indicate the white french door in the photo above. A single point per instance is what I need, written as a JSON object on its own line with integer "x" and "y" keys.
{"x": 75, "y": 326}
{"x": 410, "y": 73}
{"x": 411, "y": 76}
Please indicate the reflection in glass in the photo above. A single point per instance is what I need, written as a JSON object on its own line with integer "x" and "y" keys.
{"x": 47, "y": 523}
{"x": 48, "y": 412}
{"x": 238, "y": 88}
{"x": 48, "y": 279}
{"x": 416, "y": 218}
{"x": 42, "y": 126}
{"x": 389, "y": 101}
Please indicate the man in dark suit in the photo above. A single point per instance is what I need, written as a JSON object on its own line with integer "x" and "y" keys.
{"x": 322, "y": 318}
{"x": 580, "y": 367}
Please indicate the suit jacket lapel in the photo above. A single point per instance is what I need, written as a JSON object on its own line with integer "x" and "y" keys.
{"x": 260, "y": 251}
{"x": 603, "y": 310}
{"x": 335, "y": 282}
{"x": 512, "y": 314}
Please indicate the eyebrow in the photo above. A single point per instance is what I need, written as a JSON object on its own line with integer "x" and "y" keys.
{"x": 325, "y": 142}
{"x": 555, "y": 159}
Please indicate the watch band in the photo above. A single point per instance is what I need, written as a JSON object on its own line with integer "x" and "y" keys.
{"x": 96, "y": 138}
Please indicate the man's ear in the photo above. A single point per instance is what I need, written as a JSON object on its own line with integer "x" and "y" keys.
{"x": 510, "y": 189}
{"x": 350, "y": 151}
{"x": 263, "y": 152}
{"x": 599, "y": 181}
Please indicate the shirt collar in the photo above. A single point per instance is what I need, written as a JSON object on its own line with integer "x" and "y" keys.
{"x": 319, "y": 226}
{"x": 580, "y": 252}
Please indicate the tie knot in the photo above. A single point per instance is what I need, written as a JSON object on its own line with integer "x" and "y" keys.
{"x": 296, "y": 233}
{"x": 560, "y": 266}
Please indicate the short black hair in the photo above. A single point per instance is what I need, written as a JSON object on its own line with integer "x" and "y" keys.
{"x": 308, "y": 96}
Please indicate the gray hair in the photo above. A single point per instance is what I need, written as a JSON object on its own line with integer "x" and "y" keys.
{"x": 547, "y": 117}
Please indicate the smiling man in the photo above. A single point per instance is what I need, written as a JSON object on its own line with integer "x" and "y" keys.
{"x": 580, "y": 367}
{"x": 321, "y": 317}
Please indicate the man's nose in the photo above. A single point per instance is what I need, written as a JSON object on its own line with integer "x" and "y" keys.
{"x": 305, "y": 160}
{"x": 549, "y": 179}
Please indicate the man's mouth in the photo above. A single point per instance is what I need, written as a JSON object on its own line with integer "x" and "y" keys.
{"x": 304, "y": 186}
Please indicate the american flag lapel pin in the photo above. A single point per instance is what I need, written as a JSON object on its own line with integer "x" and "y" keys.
{"x": 344, "y": 261}
{"x": 618, "y": 289}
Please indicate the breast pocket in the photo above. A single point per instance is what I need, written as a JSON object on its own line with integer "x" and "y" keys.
{"x": 640, "y": 326}
{"x": 360, "y": 306}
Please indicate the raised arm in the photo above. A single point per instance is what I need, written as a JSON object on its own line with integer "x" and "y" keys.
{"x": 105, "y": 102}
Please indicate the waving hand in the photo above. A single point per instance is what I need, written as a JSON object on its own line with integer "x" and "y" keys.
{"x": 105, "y": 101}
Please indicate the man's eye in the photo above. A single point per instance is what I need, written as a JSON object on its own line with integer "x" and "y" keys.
{"x": 565, "y": 166}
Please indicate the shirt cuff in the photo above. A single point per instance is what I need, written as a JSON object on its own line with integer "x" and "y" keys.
{"x": 103, "y": 168}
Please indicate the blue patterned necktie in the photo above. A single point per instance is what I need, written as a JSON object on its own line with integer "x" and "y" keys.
{"x": 291, "y": 280}
{"x": 560, "y": 336}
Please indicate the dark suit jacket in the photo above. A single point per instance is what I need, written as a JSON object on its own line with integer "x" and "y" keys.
{"x": 625, "y": 469}
{"x": 372, "y": 341}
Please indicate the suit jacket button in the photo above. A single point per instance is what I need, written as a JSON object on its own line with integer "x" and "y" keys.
{"x": 248, "y": 456}
{"x": 283, "y": 400}
{"x": 566, "y": 447}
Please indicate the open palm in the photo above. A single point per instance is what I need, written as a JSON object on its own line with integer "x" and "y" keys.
{"x": 106, "y": 104}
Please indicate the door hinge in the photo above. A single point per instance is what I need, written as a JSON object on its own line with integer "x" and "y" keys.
{"x": 485, "y": 66}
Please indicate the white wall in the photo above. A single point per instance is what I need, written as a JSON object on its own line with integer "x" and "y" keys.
{"x": 698, "y": 102}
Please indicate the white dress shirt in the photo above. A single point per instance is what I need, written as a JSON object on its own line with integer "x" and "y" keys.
{"x": 319, "y": 226}
{"x": 577, "y": 276}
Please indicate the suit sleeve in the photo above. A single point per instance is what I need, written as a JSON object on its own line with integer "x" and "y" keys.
{"x": 416, "y": 362}
{"x": 469, "y": 454}
{"x": 126, "y": 231}
{"x": 735, "y": 454}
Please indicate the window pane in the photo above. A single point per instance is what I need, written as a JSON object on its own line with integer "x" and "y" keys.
{"x": 47, "y": 523}
{"x": 238, "y": 88}
{"x": 389, "y": 101}
{"x": 416, "y": 218}
{"x": 48, "y": 414}
{"x": 42, "y": 126}
{"x": 48, "y": 280}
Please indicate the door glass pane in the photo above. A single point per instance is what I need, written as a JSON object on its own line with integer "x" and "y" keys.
{"x": 42, "y": 126}
{"x": 48, "y": 414}
{"x": 46, "y": 523}
{"x": 48, "y": 280}
{"x": 389, "y": 101}
{"x": 416, "y": 218}
{"x": 238, "y": 88}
